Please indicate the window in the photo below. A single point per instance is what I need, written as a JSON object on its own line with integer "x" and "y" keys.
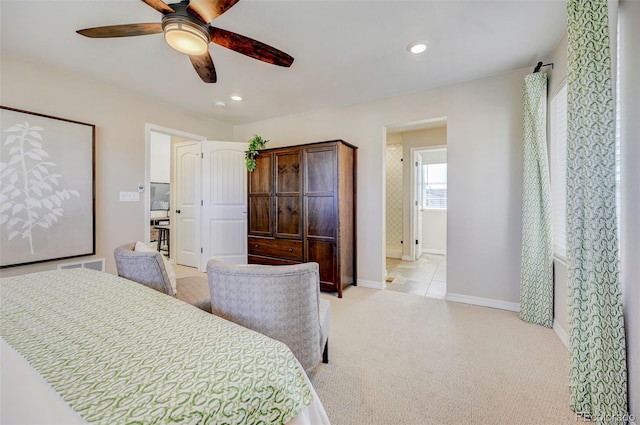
{"x": 434, "y": 179}
{"x": 558, "y": 142}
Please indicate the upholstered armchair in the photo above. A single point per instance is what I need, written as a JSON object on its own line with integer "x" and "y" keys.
{"x": 150, "y": 268}
{"x": 282, "y": 302}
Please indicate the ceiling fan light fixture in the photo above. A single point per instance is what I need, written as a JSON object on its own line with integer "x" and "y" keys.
{"x": 185, "y": 36}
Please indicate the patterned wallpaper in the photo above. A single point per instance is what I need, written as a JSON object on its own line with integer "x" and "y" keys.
{"x": 394, "y": 194}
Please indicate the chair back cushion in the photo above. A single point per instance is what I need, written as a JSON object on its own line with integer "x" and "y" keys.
{"x": 143, "y": 247}
{"x": 143, "y": 267}
{"x": 281, "y": 302}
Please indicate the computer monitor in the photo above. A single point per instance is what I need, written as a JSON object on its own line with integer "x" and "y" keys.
{"x": 160, "y": 196}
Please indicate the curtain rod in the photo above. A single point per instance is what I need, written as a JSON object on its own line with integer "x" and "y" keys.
{"x": 540, "y": 65}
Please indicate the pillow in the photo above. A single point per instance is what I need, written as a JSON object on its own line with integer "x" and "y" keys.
{"x": 143, "y": 247}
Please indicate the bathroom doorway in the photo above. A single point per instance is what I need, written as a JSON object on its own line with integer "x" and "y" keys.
{"x": 416, "y": 211}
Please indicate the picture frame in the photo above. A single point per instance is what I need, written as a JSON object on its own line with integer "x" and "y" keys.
{"x": 47, "y": 188}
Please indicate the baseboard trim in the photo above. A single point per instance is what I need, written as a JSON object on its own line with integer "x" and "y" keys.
{"x": 371, "y": 284}
{"x": 434, "y": 251}
{"x": 562, "y": 334}
{"x": 484, "y": 302}
{"x": 406, "y": 258}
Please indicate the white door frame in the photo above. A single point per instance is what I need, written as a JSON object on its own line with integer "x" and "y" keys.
{"x": 414, "y": 191}
{"x": 416, "y": 207}
{"x": 148, "y": 128}
{"x": 403, "y": 127}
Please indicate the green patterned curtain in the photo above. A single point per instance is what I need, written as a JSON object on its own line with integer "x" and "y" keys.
{"x": 536, "y": 266}
{"x": 597, "y": 374}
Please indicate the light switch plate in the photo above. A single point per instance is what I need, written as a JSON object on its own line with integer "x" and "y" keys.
{"x": 129, "y": 197}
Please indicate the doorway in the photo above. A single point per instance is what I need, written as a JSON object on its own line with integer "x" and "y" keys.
{"x": 207, "y": 213}
{"x": 416, "y": 207}
{"x": 160, "y": 218}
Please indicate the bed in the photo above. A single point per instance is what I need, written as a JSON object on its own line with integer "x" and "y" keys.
{"x": 82, "y": 346}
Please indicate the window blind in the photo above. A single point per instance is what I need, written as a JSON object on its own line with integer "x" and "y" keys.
{"x": 558, "y": 129}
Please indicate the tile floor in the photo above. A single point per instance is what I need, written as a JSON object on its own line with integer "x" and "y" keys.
{"x": 426, "y": 276}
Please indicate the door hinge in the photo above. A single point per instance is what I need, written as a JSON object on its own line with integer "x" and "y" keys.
{"x": 416, "y": 242}
{"x": 416, "y": 163}
{"x": 201, "y": 155}
{"x": 401, "y": 241}
{"x": 416, "y": 203}
{"x": 201, "y": 250}
{"x": 202, "y": 203}
{"x": 401, "y": 159}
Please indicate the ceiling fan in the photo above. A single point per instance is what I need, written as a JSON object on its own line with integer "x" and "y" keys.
{"x": 186, "y": 28}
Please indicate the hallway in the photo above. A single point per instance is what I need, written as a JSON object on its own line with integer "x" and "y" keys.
{"x": 425, "y": 277}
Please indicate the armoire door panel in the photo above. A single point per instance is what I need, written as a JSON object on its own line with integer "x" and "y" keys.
{"x": 321, "y": 218}
{"x": 288, "y": 217}
{"x": 288, "y": 177}
{"x": 261, "y": 179}
{"x": 323, "y": 253}
{"x": 320, "y": 170}
{"x": 260, "y": 215}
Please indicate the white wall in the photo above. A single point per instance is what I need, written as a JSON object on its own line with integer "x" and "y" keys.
{"x": 484, "y": 132}
{"x": 434, "y": 231}
{"x": 630, "y": 197}
{"x": 120, "y": 119}
{"x": 160, "y": 162}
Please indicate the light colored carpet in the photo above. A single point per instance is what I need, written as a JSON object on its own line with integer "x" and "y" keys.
{"x": 397, "y": 358}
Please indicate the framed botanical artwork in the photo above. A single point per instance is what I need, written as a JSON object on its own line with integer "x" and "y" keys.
{"x": 47, "y": 181}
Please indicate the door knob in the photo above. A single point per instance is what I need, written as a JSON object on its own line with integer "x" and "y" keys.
{"x": 177, "y": 211}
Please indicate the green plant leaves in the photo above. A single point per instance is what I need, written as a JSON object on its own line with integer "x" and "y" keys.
{"x": 255, "y": 144}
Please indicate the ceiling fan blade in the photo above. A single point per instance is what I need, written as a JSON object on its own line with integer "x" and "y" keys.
{"x": 208, "y": 10}
{"x": 127, "y": 30}
{"x": 160, "y": 6}
{"x": 203, "y": 64}
{"x": 250, "y": 47}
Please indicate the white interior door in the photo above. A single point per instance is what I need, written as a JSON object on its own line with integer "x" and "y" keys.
{"x": 185, "y": 225}
{"x": 224, "y": 199}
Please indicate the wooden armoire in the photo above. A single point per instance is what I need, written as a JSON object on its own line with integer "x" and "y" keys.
{"x": 302, "y": 208}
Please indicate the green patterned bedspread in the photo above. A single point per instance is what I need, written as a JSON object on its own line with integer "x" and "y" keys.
{"x": 121, "y": 353}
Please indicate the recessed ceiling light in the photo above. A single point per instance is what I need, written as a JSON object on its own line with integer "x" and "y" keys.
{"x": 417, "y": 47}
{"x": 236, "y": 97}
{"x": 220, "y": 104}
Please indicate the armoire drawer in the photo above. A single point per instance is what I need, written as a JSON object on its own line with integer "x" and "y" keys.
{"x": 270, "y": 261}
{"x": 280, "y": 248}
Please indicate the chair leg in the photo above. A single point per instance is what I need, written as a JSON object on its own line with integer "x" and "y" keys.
{"x": 325, "y": 352}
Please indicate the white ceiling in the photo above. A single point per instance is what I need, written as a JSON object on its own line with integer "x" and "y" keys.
{"x": 345, "y": 51}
